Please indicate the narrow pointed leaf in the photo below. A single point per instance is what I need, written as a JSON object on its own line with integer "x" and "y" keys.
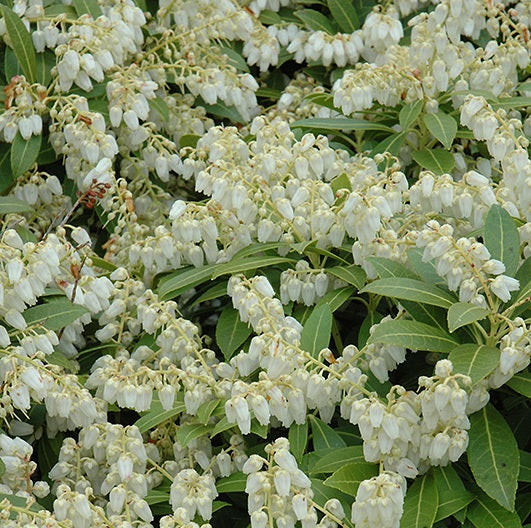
{"x": 460, "y": 314}
{"x": 24, "y": 152}
{"x": 413, "y": 335}
{"x": 436, "y": 160}
{"x": 156, "y": 414}
{"x": 339, "y": 123}
{"x": 338, "y": 458}
{"x": 501, "y": 238}
{"x": 21, "y": 43}
{"x": 486, "y": 512}
{"x": 90, "y": 7}
{"x": 344, "y": 14}
{"x": 453, "y": 496}
{"x": 55, "y": 314}
{"x": 389, "y": 268}
{"x": 442, "y": 126}
{"x": 476, "y": 361}
{"x": 410, "y": 113}
{"x": 10, "y": 204}
{"x": 493, "y": 456}
{"x": 187, "y": 433}
{"x": 232, "y": 484}
{"x": 411, "y": 290}
{"x": 316, "y": 332}
{"x": 392, "y": 143}
{"x": 315, "y": 20}
{"x": 421, "y": 503}
{"x": 426, "y": 270}
{"x": 348, "y": 478}
{"x": 336, "y": 298}
{"x": 298, "y": 439}
{"x": 521, "y": 383}
{"x": 249, "y": 263}
{"x": 231, "y": 332}
{"x": 350, "y": 274}
{"x": 323, "y": 436}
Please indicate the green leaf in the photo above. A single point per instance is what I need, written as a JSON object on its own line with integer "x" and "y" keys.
{"x": 476, "y": 361}
{"x": 156, "y": 415}
{"x": 410, "y": 113}
{"x": 371, "y": 319}
{"x": 453, "y": 496}
{"x": 182, "y": 280}
{"x": 411, "y": 290}
{"x": 392, "y": 144}
{"x": 55, "y": 314}
{"x": 321, "y": 99}
{"x": 58, "y": 358}
{"x": 6, "y": 181}
{"x": 90, "y": 7}
{"x": 222, "y": 425}
{"x": 493, "y": 455}
{"x": 352, "y": 274}
{"x": 159, "y": 105}
{"x": 348, "y": 478}
{"x": 389, "y": 268}
{"x": 206, "y": 410}
{"x": 45, "y": 62}
{"x": 525, "y": 467}
{"x": 298, "y": 439}
{"x": 24, "y": 153}
{"x": 235, "y": 59}
{"x": 344, "y": 14}
{"x": 21, "y": 43}
{"x": 232, "y": 484}
{"x": 512, "y": 103}
{"x": 10, "y": 204}
{"x": 187, "y": 433}
{"x": 442, "y": 126}
{"x": 437, "y": 160}
{"x": 336, "y": 298}
{"x": 315, "y": 20}
{"x": 231, "y": 332}
{"x": 20, "y": 502}
{"x": 316, "y": 332}
{"x": 413, "y": 335}
{"x": 246, "y": 264}
{"x": 11, "y": 64}
{"x": 461, "y": 314}
{"x": 48, "y": 452}
{"x": 269, "y": 17}
{"x": 339, "y": 123}
{"x": 323, "y": 493}
{"x": 485, "y": 512}
{"x": 323, "y": 436}
{"x": 157, "y": 497}
{"x": 521, "y": 383}
{"x": 501, "y": 238}
{"x": 224, "y": 111}
{"x": 341, "y": 182}
{"x": 2, "y": 467}
{"x": 338, "y": 458}
{"x": 426, "y": 270}
{"x": 421, "y": 503}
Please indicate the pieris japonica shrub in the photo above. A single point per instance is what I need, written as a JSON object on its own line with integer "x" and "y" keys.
{"x": 265, "y": 263}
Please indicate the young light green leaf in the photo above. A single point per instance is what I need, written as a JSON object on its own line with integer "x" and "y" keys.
{"x": 485, "y": 512}
{"x": 348, "y": 478}
{"x": 352, "y": 274}
{"x": 410, "y": 113}
{"x": 24, "y": 152}
{"x": 461, "y": 314}
{"x": 413, "y": 335}
{"x": 323, "y": 436}
{"x": 156, "y": 415}
{"x": 339, "y": 123}
{"x": 315, "y": 20}
{"x": 55, "y": 314}
{"x": 411, "y": 290}
{"x": 159, "y": 105}
{"x": 442, "y": 126}
{"x": 521, "y": 383}
{"x": 90, "y": 7}
{"x": 493, "y": 455}
{"x": 344, "y": 14}
{"x": 476, "y": 361}
{"x": 453, "y": 496}
{"x": 501, "y": 238}
{"x": 20, "y": 502}
{"x": 298, "y": 439}
{"x": 232, "y": 484}
{"x": 436, "y": 160}
{"x": 10, "y": 204}
{"x": 421, "y": 503}
{"x": 231, "y": 332}
{"x": 21, "y": 43}
{"x": 316, "y": 332}
{"x": 187, "y": 433}
{"x": 338, "y": 458}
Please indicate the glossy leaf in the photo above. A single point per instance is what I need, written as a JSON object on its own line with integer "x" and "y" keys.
{"x": 187, "y": 433}
{"x": 55, "y": 314}
{"x": 323, "y": 436}
{"x": 485, "y": 512}
{"x": 21, "y": 43}
{"x": 461, "y": 314}
{"x": 476, "y": 361}
{"x": 392, "y": 143}
{"x": 156, "y": 415}
{"x": 410, "y": 113}
{"x": 231, "y": 332}
{"x": 344, "y": 14}
{"x": 315, "y": 334}
{"x": 413, "y": 335}
{"x": 336, "y": 298}
{"x": 410, "y": 289}
{"x": 501, "y": 238}
{"x": 442, "y": 126}
{"x": 231, "y": 484}
{"x": 339, "y": 123}
{"x": 493, "y": 455}
{"x": 24, "y": 153}
{"x": 521, "y": 383}
{"x": 298, "y": 439}
{"x": 352, "y": 274}
{"x": 389, "y": 268}
{"x": 208, "y": 408}
{"x": 239, "y": 265}
{"x": 525, "y": 467}
{"x": 315, "y": 20}
{"x": 90, "y": 7}
{"x": 421, "y": 503}
{"x": 338, "y": 458}
{"x": 451, "y": 491}
{"x": 426, "y": 270}
{"x": 436, "y": 160}
{"x": 348, "y": 478}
